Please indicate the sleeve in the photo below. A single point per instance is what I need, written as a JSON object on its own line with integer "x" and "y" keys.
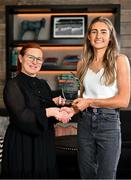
{"x": 49, "y": 102}
{"x": 29, "y": 120}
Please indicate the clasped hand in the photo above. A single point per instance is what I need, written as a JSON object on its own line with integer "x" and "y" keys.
{"x": 64, "y": 114}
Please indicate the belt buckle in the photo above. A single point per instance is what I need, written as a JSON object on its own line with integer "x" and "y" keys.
{"x": 95, "y": 110}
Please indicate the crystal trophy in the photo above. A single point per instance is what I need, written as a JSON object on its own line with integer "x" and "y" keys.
{"x": 69, "y": 84}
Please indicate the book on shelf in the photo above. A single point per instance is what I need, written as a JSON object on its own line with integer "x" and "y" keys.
{"x": 50, "y": 61}
{"x": 14, "y": 57}
{"x": 71, "y": 58}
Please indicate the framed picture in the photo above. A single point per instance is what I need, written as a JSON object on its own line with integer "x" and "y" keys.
{"x": 68, "y": 26}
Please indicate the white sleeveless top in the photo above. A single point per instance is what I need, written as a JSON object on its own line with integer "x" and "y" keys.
{"x": 94, "y": 88}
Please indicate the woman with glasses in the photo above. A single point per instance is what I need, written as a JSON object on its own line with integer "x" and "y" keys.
{"x": 29, "y": 146}
{"x": 104, "y": 76}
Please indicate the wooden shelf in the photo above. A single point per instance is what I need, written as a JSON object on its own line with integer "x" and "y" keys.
{"x": 15, "y": 14}
{"x": 52, "y": 42}
{"x": 60, "y": 68}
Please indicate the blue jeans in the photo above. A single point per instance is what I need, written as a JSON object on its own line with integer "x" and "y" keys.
{"x": 99, "y": 144}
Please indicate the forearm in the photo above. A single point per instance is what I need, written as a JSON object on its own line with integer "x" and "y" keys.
{"x": 113, "y": 102}
{"x": 51, "y": 112}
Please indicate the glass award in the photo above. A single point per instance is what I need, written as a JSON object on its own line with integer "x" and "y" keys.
{"x": 69, "y": 84}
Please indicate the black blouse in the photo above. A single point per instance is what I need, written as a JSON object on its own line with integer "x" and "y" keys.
{"x": 29, "y": 147}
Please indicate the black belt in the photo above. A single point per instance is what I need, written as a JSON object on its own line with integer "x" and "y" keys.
{"x": 101, "y": 110}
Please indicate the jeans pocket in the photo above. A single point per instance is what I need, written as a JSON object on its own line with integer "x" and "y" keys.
{"x": 110, "y": 121}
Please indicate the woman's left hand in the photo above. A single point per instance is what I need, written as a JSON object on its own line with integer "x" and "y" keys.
{"x": 81, "y": 103}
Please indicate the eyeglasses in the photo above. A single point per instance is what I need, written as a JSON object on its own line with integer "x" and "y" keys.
{"x": 33, "y": 58}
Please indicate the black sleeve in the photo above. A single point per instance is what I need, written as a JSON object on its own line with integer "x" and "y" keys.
{"x": 49, "y": 102}
{"x": 29, "y": 120}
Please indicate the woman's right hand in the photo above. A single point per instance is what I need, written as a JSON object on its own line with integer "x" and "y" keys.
{"x": 70, "y": 110}
{"x": 59, "y": 101}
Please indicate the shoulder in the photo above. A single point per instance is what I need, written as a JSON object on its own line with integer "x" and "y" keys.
{"x": 44, "y": 82}
{"x": 11, "y": 84}
{"x": 122, "y": 59}
{"x": 122, "y": 63}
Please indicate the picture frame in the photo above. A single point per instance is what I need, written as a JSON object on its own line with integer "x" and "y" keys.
{"x": 68, "y": 26}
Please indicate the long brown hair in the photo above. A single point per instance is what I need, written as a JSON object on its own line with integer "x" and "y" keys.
{"x": 109, "y": 59}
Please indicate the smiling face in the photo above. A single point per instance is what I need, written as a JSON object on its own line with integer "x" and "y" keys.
{"x": 31, "y": 61}
{"x": 99, "y": 35}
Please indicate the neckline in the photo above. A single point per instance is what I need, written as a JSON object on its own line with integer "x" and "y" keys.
{"x": 26, "y": 76}
{"x": 96, "y": 72}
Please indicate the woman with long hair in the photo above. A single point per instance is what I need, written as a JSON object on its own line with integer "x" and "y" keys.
{"x": 104, "y": 76}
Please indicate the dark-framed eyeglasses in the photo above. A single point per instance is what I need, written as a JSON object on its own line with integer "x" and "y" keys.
{"x": 32, "y": 58}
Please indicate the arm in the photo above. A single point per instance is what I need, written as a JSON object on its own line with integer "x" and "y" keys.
{"x": 121, "y": 100}
{"x": 50, "y": 105}
{"x": 21, "y": 115}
